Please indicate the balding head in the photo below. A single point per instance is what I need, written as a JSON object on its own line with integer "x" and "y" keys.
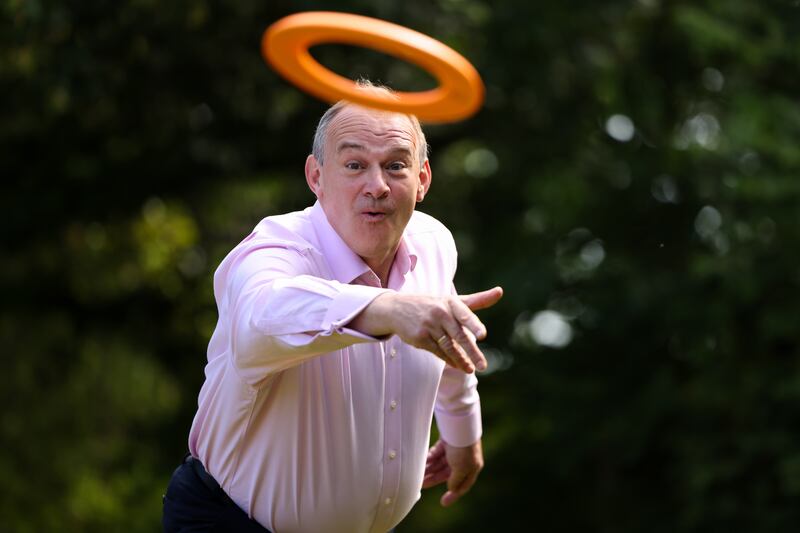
{"x": 321, "y": 133}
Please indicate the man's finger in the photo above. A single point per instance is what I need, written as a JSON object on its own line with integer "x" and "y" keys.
{"x": 466, "y": 340}
{"x": 437, "y": 449}
{"x": 435, "y": 467}
{"x": 453, "y": 348}
{"x": 457, "y": 486}
{"x": 435, "y": 473}
{"x": 435, "y": 348}
{"x": 454, "y": 488}
{"x": 434, "y": 460}
{"x": 471, "y": 329}
{"x": 467, "y": 318}
{"x": 483, "y": 299}
{"x": 436, "y": 478}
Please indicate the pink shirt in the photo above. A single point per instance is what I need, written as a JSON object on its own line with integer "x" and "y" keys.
{"x": 308, "y": 425}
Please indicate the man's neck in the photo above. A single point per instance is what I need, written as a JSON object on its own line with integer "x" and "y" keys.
{"x": 381, "y": 268}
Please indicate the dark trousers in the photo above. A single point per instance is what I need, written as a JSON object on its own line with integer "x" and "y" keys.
{"x": 194, "y": 502}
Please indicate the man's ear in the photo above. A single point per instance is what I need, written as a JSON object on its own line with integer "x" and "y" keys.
{"x": 314, "y": 175}
{"x": 425, "y": 177}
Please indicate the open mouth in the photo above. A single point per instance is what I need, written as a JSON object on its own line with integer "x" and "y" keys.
{"x": 373, "y": 215}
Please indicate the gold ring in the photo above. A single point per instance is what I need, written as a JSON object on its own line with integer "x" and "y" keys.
{"x": 441, "y": 339}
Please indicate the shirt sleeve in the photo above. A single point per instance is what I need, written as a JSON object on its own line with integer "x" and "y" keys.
{"x": 458, "y": 406}
{"x": 280, "y": 315}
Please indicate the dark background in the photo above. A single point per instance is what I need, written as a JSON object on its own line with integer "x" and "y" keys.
{"x": 632, "y": 181}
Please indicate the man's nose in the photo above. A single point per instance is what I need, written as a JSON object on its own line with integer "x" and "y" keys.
{"x": 376, "y": 185}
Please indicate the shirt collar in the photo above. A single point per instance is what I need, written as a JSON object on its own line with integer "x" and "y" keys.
{"x": 405, "y": 260}
{"x": 345, "y": 264}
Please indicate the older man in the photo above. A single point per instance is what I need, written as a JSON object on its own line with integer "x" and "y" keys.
{"x": 340, "y": 335}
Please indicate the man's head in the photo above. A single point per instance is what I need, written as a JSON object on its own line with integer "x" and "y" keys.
{"x": 367, "y": 86}
{"x": 368, "y": 169}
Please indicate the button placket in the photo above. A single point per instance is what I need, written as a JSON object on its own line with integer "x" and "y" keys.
{"x": 392, "y": 432}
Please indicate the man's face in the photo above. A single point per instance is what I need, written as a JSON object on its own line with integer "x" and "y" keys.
{"x": 370, "y": 181}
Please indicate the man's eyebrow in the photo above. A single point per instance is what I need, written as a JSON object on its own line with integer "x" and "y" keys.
{"x": 349, "y": 145}
{"x": 405, "y": 150}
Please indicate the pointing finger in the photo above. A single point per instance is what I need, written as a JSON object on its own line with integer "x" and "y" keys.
{"x": 483, "y": 299}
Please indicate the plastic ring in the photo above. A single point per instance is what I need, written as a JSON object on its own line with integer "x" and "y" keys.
{"x": 285, "y": 46}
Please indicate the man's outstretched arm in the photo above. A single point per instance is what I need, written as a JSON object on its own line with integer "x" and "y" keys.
{"x": 443, "y": 325}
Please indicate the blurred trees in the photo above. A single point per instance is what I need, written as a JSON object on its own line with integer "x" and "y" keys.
{"x": 632, "y": 182}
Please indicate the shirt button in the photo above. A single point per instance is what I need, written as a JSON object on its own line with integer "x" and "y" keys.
{"x": 387, "y": 501}
{"x": 393, "y": 405}
{"x": 393, "y": 352}
{"x": 392, "y": 454}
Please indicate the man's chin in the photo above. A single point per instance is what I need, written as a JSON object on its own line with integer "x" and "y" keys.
{"x": 375, "y": 250}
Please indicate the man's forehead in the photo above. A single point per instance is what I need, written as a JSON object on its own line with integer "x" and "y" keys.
{"x": 355, "y": 125}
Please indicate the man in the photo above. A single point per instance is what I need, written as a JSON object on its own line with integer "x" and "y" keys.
{"x": 339, "y": 335}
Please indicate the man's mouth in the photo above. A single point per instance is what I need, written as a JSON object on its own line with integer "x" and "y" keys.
{"x": 373, "y": 215}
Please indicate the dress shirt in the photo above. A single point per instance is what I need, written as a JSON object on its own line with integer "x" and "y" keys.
{"x": 308, "y": 425}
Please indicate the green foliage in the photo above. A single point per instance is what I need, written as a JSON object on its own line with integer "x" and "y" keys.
{"x": 632, "y": 182}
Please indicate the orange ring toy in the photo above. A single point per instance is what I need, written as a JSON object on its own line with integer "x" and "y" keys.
{"x": 285, "y": 46}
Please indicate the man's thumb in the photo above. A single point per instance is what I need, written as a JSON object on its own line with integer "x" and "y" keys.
{"x": 483, "y": 299}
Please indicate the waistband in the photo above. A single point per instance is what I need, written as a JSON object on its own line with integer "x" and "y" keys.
{"x": 207, "y": 479}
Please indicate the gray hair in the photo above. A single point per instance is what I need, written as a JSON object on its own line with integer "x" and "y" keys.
{"x": 318, "y": 148}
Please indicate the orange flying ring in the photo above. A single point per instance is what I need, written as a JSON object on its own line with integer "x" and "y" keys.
{"x": 285, "y": 46}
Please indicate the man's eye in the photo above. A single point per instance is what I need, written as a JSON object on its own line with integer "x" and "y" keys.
{"x": 397, "y": 166}
{"x": 353, "y": 165}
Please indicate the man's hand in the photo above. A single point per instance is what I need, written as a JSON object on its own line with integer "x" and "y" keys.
{"x": 458, "y": 466}
{"x": 445, "y": 326}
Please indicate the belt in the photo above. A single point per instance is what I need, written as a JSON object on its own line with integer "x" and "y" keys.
{"x": 207, "y": 479}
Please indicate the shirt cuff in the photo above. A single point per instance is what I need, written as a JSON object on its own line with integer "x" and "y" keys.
{"x": 460, "y": 430}
{"x": 351, "y": 300}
